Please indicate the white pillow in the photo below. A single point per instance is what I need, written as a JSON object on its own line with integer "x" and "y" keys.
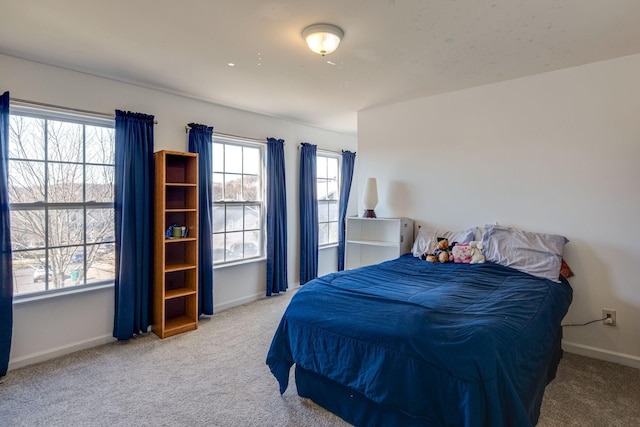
{"x": 427, "y": 239}
{"x": 537, "y": 254}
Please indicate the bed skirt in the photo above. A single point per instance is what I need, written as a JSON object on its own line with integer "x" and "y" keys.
{"x": 356, "y": 409}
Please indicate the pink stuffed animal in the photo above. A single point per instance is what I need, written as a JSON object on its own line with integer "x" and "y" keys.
{"x": 461, "y": 253}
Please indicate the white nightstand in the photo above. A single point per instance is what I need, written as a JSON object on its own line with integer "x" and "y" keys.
{"x": 373, "y": 240}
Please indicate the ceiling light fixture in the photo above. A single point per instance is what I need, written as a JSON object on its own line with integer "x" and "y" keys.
{"x": 322, "y": 38}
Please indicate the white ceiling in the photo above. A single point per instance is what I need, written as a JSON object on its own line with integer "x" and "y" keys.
{"x": 393, "y": 50}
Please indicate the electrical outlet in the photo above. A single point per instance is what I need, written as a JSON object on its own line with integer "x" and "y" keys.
{"x": 609, "y": 317}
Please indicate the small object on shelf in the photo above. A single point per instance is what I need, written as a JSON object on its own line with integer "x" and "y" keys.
{"x": 176, "y": 231}
{"x": 171, "y": 232}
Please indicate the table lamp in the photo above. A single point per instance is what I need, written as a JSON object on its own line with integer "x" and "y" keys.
{"x": 370, "y": 198}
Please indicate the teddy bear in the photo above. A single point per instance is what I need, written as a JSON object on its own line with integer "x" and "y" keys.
{"x": 461, "y": 253}
{"x": 477, "y": 257}
{"x": 442, "y": 252}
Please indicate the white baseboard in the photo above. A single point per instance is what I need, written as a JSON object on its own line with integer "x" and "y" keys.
{"x": 237, "y": 302}
{"x": 601, "y": 354}
{"x": 246, "y": 299}
{"x": 42, "y": 356}
{"x": 38, "y": 357}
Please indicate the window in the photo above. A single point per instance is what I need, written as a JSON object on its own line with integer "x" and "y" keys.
{"x": 328, "y": 198}
{"x": 238, "y": 200}
{"x": 61, "y": 194}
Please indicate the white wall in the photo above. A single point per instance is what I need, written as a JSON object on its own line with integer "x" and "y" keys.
{"x": 43, "y": 329}
{"x": 557, "y": 152}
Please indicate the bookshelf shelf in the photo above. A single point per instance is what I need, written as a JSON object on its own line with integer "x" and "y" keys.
{"x": 179, "y": 292}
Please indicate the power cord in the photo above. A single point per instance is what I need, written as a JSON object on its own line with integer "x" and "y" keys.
{"x": 589, "y": 322}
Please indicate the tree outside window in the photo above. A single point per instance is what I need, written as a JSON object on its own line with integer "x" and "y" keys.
{"x": 61, "y": 193}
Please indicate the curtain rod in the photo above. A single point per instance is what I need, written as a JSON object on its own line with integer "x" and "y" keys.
{"x": 230, "y": 136}
{"x": 59, "y": 107}
{"x": 320, "y": 150}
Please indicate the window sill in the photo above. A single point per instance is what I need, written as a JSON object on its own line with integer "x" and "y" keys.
{"x": 332, "y": 245}
{"x": 28, "y": 298}
{"x": 239, "y": 262}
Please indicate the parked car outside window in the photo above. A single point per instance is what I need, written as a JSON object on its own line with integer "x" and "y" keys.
{"x": 40, "y": 273}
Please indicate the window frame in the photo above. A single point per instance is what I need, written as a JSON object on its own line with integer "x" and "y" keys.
{"x": 338, "y": 158}
{"x": 261, "y": 229}
{"x": 80, "y": 207}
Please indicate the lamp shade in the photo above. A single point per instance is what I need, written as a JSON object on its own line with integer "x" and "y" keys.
{"x": 370, "y": 197}
{"x": 322, "y": 38}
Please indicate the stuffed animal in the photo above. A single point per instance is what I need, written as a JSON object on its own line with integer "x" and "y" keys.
{"x": 461, "y": 253}
{"x": 477, "y": 257}
{"x": 442, "y": 253}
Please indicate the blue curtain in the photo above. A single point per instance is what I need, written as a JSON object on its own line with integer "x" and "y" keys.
{"x": 201, "y": 142}
{"x": 6, "y": 276}
{"x": 133, "y": 223}
{"x": 346, "y": 172}
{"x": 276, "y": 218}
{"x": 308, "y": 214}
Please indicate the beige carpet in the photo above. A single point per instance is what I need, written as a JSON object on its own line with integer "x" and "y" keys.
{"x": 216, "y": 376}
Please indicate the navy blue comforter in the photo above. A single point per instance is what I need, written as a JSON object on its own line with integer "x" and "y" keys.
{"x": 455, "y": 344}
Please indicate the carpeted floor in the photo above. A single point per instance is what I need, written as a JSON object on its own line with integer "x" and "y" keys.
{"x": 216, "y": 376}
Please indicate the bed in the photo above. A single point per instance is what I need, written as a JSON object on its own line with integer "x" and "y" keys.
{"x": 408, "y": 342}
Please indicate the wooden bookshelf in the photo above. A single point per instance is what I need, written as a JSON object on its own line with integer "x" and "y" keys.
{"x": 175, "y": 291}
